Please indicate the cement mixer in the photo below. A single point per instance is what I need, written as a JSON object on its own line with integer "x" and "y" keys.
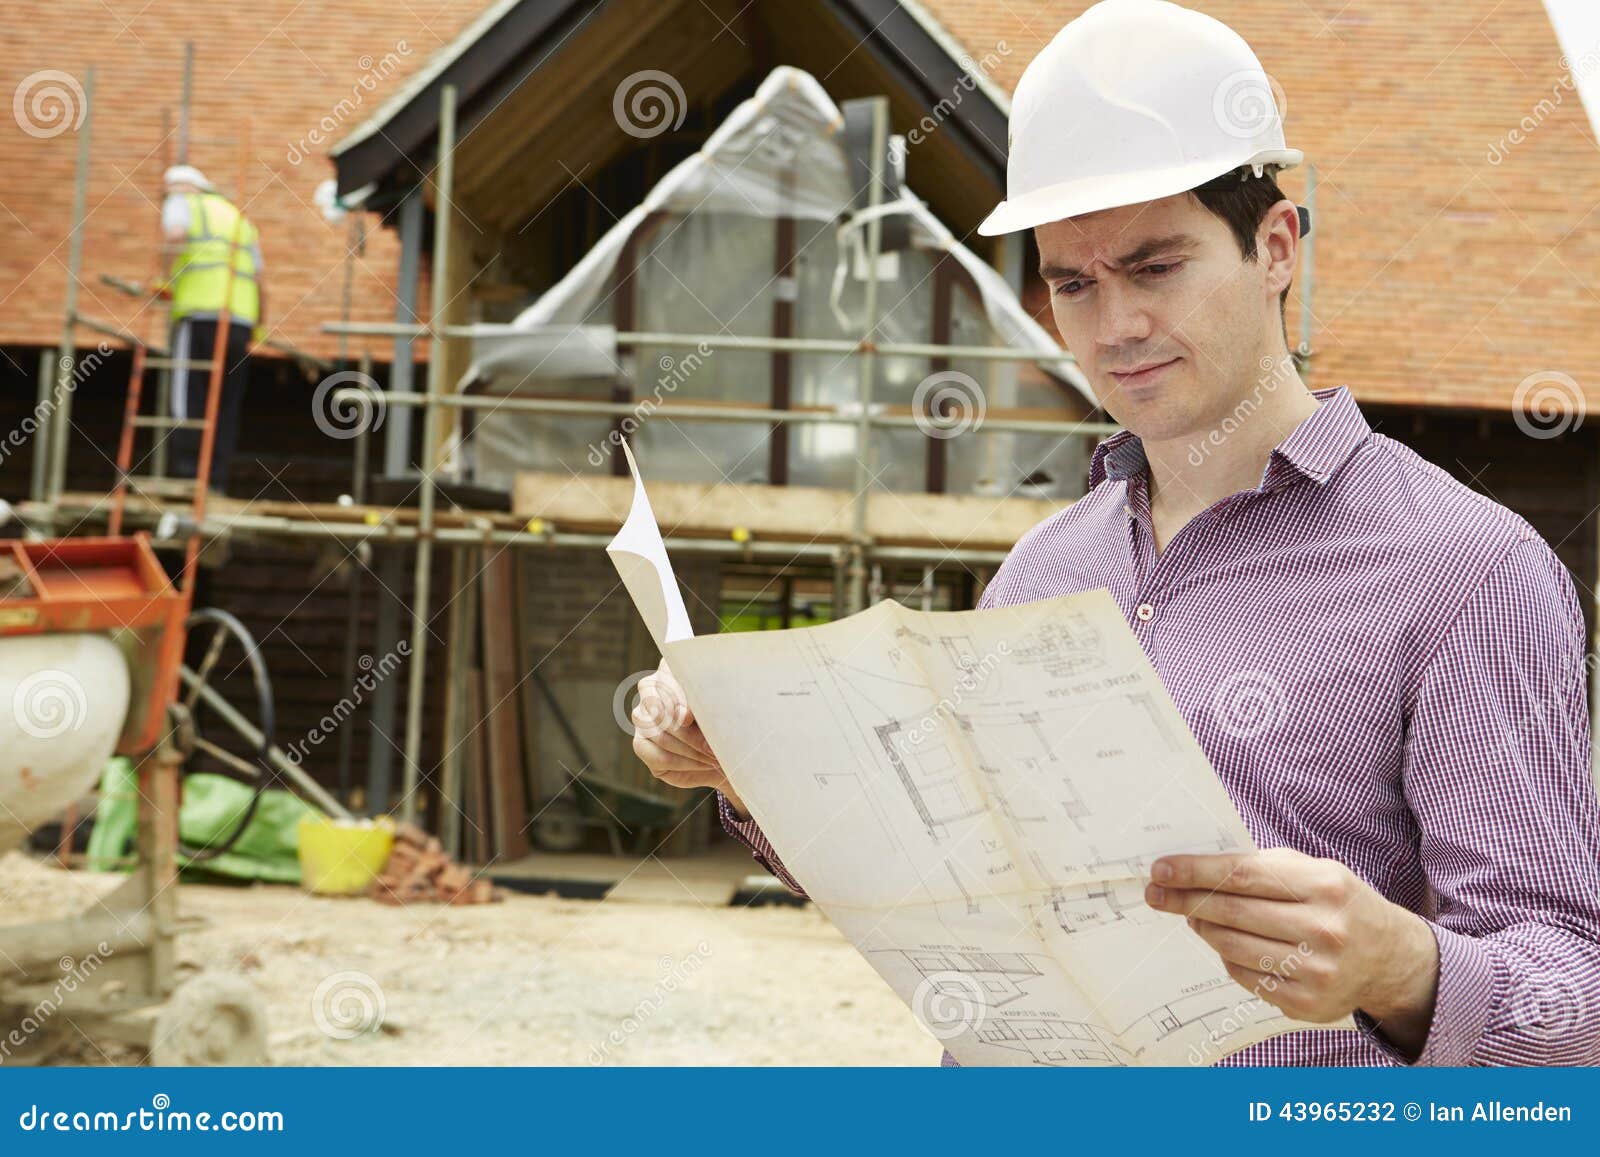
{"x": 92, "y": 636}
{"x": 68, "y": 695}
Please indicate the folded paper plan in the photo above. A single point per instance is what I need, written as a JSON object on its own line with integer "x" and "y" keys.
{"x": 974, "y": 798}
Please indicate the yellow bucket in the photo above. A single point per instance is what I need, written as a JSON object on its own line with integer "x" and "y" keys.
{"x": 343, "y": 857}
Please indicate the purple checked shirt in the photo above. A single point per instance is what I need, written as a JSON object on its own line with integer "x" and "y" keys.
{"x": 1385, "y": 668}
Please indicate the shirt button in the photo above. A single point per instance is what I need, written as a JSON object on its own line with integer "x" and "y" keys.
{"x": 1145, "y": 612}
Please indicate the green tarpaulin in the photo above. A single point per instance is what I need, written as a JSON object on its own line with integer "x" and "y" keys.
{"x": 212, "y": 807}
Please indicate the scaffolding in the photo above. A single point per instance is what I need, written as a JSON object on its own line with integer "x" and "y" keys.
{"x": 852, "y": 561}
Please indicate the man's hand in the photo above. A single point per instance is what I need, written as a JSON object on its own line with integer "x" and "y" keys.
{"x": 671, "y": 743}
{"x": 1309, "y": 936}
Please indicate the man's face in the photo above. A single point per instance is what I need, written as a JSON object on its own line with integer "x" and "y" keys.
{"x": 1164, "y": 315}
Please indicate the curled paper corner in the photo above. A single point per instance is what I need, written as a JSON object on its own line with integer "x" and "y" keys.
{"x": 640, "y": 556}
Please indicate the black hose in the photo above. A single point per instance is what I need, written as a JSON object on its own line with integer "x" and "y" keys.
{"x": 267, "y": 725}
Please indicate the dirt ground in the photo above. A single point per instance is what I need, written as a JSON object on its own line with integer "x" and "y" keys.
{"x": 529, "y": 981}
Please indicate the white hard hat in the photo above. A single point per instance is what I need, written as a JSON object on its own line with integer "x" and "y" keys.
{"x": 1133, "y": 101}
{"x": 186, "y": 175}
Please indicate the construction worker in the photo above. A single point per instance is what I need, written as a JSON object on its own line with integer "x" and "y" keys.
{"x": 1385, "y": 668}
{"x": 204, "y": 231}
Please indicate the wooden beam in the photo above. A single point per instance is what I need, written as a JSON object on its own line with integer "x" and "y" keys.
{"x": 475, "y": 809}
{"x": 783, "y": 302}
{"x": 785, "y": 513}
{"x": 463, "y": 267}
{"x": 527, "y": 690}
{"x": 509, "y": 801}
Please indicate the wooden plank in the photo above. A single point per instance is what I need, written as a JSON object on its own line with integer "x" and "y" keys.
{"x": 455, "y": 356}
{"x": 527, "y": 690}
{"x": 508, "y": 799}
{"x": 458, "y": 658}
{"x": 477, "y": 838}
{"x": 87, "y": 503}
{"x": 789, "y": 513}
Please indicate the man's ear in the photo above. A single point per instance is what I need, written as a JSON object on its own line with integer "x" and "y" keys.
{"x": 1278, "y": 243}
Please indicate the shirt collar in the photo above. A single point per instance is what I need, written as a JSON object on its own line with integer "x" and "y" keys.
{"x": 1314, "y": 449}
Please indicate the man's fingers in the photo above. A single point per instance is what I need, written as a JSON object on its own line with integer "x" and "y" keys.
{"x": 679, "y": 775}
{"x": 1285, "y": 920}
{"x": 1268, "y": 987}
{"x": 662, "y": 699}
{"x": 1263, "y": 874}
{"x": 662, "y": 715}
{"x": 688, "y": 779}
{"x": 1260, "y": 953}
{"x": 660, "y": 760}
{"x": 660, "y": 707}
{"x": 663, "y": 708}
{"x": 1291, "y": 997}
{"x": 692, "y": 735}
{"x": 675, "y": 742}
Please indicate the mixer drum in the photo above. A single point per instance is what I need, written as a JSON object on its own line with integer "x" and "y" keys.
{"x": 63, "y": 699}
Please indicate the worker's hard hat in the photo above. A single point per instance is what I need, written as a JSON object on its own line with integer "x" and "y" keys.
{"x": 1133, "y": 101}
{"x": 186, "y": 175}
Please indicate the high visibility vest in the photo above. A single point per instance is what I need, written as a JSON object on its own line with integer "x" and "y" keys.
{"x": 200, "y": 272}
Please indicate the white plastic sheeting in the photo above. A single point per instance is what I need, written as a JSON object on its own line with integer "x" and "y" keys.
{"x": 707, "y": 267}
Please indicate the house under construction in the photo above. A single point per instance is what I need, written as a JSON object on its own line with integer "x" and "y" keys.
{"x": 748, "y": 261}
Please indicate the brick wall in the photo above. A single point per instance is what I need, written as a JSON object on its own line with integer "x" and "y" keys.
{"x": 588, "y": 642}
{"x": 1442, "y": 277}
{"x": 278, "y": 67}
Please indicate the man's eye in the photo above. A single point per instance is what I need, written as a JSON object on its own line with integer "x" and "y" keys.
{"x": 1162, "y": 268}
{"x": 1071, "y": 288}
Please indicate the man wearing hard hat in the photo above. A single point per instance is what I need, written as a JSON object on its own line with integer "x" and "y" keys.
{"x": 205, "y": 233}
{"x": 1385, "y": 668}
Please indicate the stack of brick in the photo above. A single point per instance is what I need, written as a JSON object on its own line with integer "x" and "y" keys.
{"x": 418, "y": 871}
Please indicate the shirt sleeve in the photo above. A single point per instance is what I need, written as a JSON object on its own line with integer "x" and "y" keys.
{"x": 1497, "y": 772}
{"x": 748, "y": 833}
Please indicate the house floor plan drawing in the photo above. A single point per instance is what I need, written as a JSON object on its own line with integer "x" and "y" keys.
{"x": 974, "y": 799}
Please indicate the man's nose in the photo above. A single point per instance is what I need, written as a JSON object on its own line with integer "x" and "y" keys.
{"x": 1122, "y": 318}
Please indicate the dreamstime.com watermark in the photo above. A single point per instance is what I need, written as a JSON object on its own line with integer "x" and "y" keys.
{"x": 974, "y": 673}
{"x": 1567, "y": 83}
{"x": 1547, "y": 404}
{"x": 48, "y": 103}
{"x": 1245, "y": 104}
{"x": 673, "y": 974}
{"x": 48, "y": 703}
{"x": 948, "y": 404}
{"x": 80, "y": 369}
{"x": 74, "y": 973}
{"x": 950, "y": 1004}
{"x": 674, "y": 372}
{"x": 1245, "y": 1013}
{"x": 160, "y": 1117}
{"x": 346, "y": 417}
{"x": 648, "y": 716}
{"x": 348, "y": 1004}
{"x": 373, "y": 74}
{"x": 1275, "y": 372}
{"x": 971, "y": 69}
{"x": 372, "y": 673}
{"x": 1247, "y": 704}
{"x": 649, "y": 103}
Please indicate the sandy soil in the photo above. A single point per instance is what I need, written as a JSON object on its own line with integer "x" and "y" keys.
{"x": 530, "y": 981}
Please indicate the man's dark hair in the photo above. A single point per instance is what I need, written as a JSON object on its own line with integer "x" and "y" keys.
{"x": 1242, "y": 204}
